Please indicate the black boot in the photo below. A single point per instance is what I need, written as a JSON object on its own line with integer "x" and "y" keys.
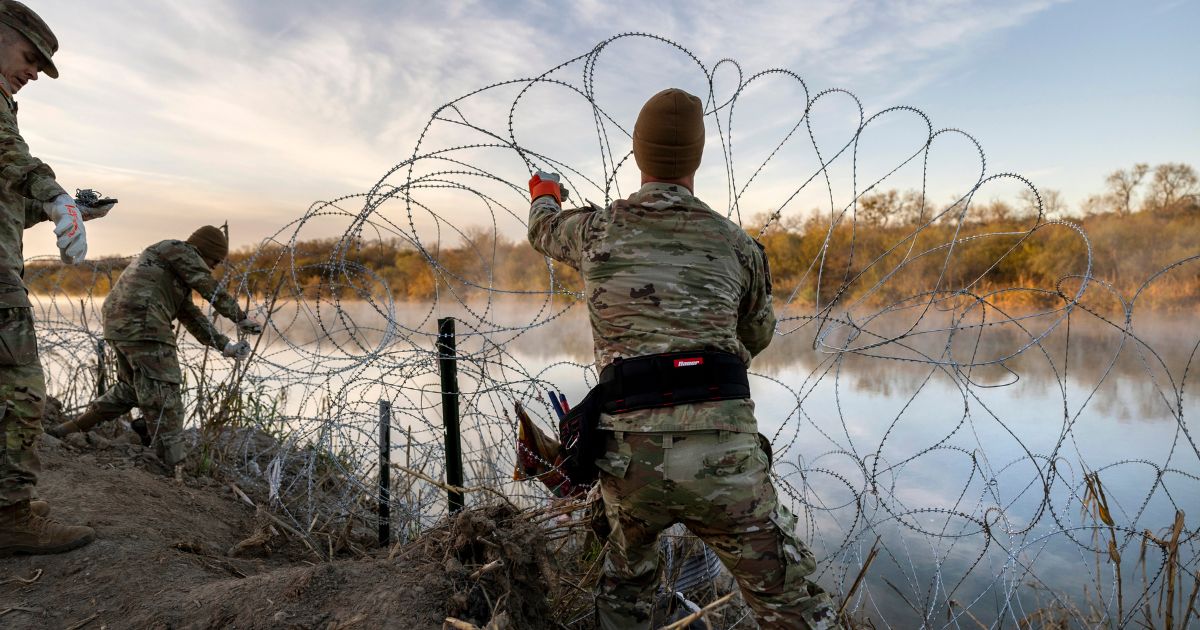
{"x": 139, "y": 427}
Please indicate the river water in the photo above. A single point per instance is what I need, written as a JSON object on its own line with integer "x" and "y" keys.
{"x": 963, "y": 449}
{"x": 960, "y": 445}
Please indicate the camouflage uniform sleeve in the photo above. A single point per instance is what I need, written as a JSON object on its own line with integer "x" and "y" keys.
{"x": 185, "y": 261}
{"x": 35, "y": 212}
{"x": 27, "y": 175}
{"x": 200, "y": 326}
{"x": 558, "y": 233}
{"x": 756, "y": 316}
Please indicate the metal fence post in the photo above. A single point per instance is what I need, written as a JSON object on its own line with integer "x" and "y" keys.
{"x": 447, "y": 365}
{"x": 385, "y": 473}
{"x": 101, "y": 373}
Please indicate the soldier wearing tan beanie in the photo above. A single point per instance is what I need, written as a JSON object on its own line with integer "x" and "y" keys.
{"x": 212, "y": 244}
{"x": 672, "y": 286}
{"x": 139, "y": 314}
{"x": 668, "y": 138}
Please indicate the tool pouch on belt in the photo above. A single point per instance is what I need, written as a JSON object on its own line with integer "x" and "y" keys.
{"x": 656, "y": 380}
{"x": 581, "y": 442}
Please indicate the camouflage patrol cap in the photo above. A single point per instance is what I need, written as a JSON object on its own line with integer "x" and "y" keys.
{"x": 668, "y": 138}
{"x": 211, "y": 242}
{"x": 27, "y": 23}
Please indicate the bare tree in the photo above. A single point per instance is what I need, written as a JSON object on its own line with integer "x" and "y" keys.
{"x": 1122, "y": 186}
{"x": 1095, "y": 204}
{"x": 1053, "y": 205}
{"x": 994, "y": 211}
{"x": 891, "y": 207}
{"x": 1172, "y": 182}
{"x": 765, "y": 222}
{"x": 914, "y": 208}
{"x": 878, "y": 208}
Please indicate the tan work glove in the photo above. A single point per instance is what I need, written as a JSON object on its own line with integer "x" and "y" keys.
{"x": 236, "y": 350}
{"x": 250, "y": 326}
{"x": 68, "y": 227}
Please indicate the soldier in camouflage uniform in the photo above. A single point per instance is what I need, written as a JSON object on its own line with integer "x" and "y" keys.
{"x": 139, "y": 315}
{"x": 664, "y": 273}
{"x": 29, "y": 195}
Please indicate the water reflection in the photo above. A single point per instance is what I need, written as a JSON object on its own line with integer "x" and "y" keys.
{"x": 961, "y": 444}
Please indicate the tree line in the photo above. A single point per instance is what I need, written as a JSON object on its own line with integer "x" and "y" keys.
{"x": 890, "y": 245}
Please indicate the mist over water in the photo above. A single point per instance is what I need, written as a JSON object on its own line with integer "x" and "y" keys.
{"x": 971, "y": 461}
{"x": 962, "y": 446}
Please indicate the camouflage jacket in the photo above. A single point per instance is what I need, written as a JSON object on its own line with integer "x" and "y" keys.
{"x": 663, "y": 272}
{"x": 25, "y": 182}
{"x": 156, "y": 288}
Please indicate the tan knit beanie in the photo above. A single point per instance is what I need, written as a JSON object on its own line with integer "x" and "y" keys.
{"x": 668, "y": 138}
{"x": 211, "y": 242}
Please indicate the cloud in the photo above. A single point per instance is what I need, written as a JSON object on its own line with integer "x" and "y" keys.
{"x": 245, "y": 110}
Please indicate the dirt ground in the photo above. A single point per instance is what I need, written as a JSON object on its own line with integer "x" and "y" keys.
{"x": 167, "y": 555}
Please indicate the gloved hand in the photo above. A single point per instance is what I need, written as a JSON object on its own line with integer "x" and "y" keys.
{"x": 92, "y": 205}
{"x": 250, "y": 326}
{"x": 236, "y": 350}
{"x": 543, "y": 183}
{"x": 68, "y": 227}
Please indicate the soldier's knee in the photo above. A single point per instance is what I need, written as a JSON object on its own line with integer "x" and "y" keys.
{"x": 819, "y": 616}
{"x": 22, "y": 405}
{"x": 625, "y": 591}
{"x": 777, "y": 585}
{"x": 19, "y": 438}
{"x": 120, "y": 396}
{"x": 619, "y": 611}
{"x": 162, "y": 406}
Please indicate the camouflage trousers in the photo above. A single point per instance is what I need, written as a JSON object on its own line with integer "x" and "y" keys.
{"x": 718, "y": 484}
{"x": 22, "y": 397}
{"x": 148, "y": 377}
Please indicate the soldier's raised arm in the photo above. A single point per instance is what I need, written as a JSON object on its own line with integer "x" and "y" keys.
{"x": 555, "y": 232}
{"x": 192, "y": 261}
{"x": 756, "y": 315}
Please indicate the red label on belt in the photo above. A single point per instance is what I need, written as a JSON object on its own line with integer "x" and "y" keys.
{"x": 692, "y": 362}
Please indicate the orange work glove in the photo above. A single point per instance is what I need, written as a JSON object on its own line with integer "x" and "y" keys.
{"x": 543, "y": 183}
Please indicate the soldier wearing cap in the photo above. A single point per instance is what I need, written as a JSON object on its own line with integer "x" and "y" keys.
{"x": 29, "y": 195}
{"x": 666, "y": 276}
{"x": 139, "y": 315}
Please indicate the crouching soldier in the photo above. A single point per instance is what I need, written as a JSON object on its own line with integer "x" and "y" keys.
{"x": 152, "y": 292}
{"x": 679, "y": 301}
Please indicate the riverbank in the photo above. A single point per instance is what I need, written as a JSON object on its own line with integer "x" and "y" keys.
{"x": 200, "y": 551}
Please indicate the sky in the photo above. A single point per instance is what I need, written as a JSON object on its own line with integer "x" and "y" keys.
{"x": 251, "y": 111}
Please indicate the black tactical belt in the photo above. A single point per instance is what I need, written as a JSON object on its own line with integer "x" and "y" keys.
{"x": 666, "y": 380}
{"x": 648, "y": 382}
